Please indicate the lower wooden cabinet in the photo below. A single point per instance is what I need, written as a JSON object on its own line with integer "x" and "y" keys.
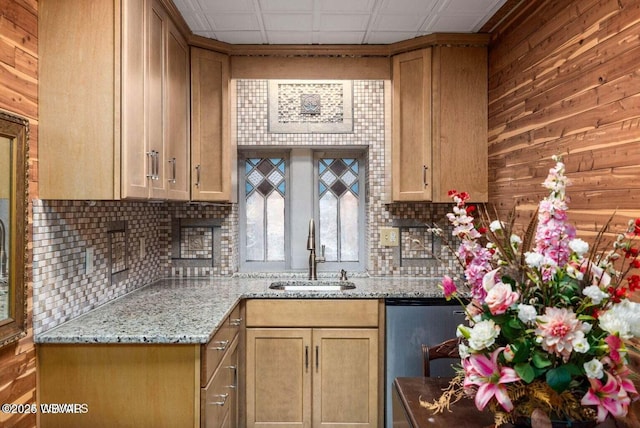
{"x": 143, "y": 385}
{"x": 312, "y": 376}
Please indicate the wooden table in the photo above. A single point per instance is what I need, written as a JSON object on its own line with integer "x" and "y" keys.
{"x": 407, "y": 412}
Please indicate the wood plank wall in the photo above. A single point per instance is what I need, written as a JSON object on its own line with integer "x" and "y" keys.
{"x": 19, "y": 95}
{"x": 564, "y": 78}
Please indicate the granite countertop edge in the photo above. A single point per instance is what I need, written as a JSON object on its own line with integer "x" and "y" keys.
{"x": 191, "y": 310}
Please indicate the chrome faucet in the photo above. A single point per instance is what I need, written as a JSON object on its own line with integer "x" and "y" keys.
{"x": 3, "y": 251}
{"x": 311, "y": 246}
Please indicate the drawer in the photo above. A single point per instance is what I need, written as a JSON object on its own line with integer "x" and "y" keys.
{"x": 219, "y": 395}
{"x": 312, "y": 313}
{"x": 220, "y": 343}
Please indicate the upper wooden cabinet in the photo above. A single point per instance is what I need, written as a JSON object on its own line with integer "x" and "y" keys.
{"x": 439, "y": 123}
{"x": 113, "y": 101}
{"x": 213, "y": 155}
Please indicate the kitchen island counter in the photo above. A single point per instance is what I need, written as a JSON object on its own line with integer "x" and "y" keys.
{"x": 191, "y": 310}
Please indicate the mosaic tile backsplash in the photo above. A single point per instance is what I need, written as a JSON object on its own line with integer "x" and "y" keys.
{"x": 178, "y": 239}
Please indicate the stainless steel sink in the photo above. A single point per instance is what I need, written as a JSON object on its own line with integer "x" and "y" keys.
{"x": 307, "y": 285}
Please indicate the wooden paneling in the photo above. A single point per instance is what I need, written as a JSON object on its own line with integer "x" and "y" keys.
{"x": 564, "y": 78}
{"x": 19, "y": 95}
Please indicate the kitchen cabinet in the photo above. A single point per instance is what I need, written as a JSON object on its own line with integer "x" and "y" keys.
{"x": 113, "y": 102}
{"x": 439, "y": 123}
{"x": 213, "y": 155}
{"x": 303, "y": 369}
{"x": 181, "y": 385}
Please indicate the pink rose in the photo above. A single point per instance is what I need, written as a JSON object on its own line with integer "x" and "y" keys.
{"x": 448, "y": 286}
{"x": 500, "y": 297}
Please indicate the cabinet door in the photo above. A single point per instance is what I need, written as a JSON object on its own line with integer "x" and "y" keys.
{"x": 135, "y": 183}
{"x": 411, "y": 148}
{"x": 278, "y": 377}
{"x": 213, "y": 154}
{"x": 345, "y": 383}
{"x": 156, "y": 48}
{"x": 460, "y": 147}
{"x": 177, "y": 116}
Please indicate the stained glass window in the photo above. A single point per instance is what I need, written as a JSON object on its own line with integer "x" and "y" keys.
{"x": 339, "y": 207}
{"x": 265, "y": 191}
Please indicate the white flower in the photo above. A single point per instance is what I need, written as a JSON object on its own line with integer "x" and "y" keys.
{"x": 495, "y": 225}
{"x": 463, "y": 350}
{"x": 595, "y": 294}
{"x": 533, "y": 259}
{"x": 527, "y": 313}
{"x": 516, "y": 241}
{"x": 579, "y": 246}
{"x": 593, "y": 369}
{"x": 580, "y": 343}
{"x": 623, "y": 318}
{"x": 489, "y": 279}
{"x": 483, "y": 335}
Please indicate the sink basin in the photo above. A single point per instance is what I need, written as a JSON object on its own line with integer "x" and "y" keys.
{"x": 307, "y": 285}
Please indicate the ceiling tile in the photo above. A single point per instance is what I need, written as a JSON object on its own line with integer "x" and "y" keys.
{"x": 344, "y": 22}
{"x": 238, "y": 37}
{"x": 286, "y": 5}
{"x": 339, "y": 37}
{"x": 288, "y": 22}
{"x": 398, "y": 23}
{"x": 290, "y": 37}
{"x": 346, "y": 6}
{"x": 234, "y": 22}
{"x": 408, "y": 7}
{"x": 226, "y": 5}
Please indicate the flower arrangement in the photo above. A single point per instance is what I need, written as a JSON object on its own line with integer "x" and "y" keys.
{"x": 547, "y": 314}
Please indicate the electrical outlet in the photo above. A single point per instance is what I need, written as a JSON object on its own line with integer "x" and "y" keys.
{"x": 389, "y": 236}
{"x": 143, "y": 248}
{"x": 88, "y": 260}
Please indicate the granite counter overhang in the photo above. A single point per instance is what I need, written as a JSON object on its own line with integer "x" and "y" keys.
{"x": 190, "y": 311}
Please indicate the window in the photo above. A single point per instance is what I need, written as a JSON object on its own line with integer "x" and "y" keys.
{"x": 283, "y": 190}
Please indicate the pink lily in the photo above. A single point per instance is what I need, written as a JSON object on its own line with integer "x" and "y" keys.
{"x": 610, "y": 398}
{"x": 449, "y": 287}
{"x": 490, "y": 378}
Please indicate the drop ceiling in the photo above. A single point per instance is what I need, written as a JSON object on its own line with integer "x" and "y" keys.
{"x": 332, "y": 21}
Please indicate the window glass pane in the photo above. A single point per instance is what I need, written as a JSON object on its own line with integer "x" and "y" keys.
{"x": 255, "y": 227}
{"x": 275, "y": 228}
{"x": 329, "y": 226}
{"x": 348, "y": 228}
{"x": 265, "y": 201}
{"x": 338, "y": 190}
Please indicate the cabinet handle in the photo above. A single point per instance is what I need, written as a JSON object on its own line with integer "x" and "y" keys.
{"x": 235, "y": 376}
{"x": 197, "y": 176}
{"x": 223, "y": 400}
{"x": 157, "y": 166}
{"x": 317, "y": 358}
{"x": 150, "y": 165}
{"x": 424, "y": 175}
{"x": 172, "y": 180}
{"x": 222, "y": 345}
{"x": 235, "y": 322}
{"x": 306, "y": 358}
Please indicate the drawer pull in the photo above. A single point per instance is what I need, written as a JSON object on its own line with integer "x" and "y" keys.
{"x": 223, "y": 400}
{"x": 235, "y": 376}
{"x": 235, "y": 322}
{"x": 221, "y": 345}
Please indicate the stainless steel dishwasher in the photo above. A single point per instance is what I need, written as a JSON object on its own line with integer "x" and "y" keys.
{"x": 410, "y": 323}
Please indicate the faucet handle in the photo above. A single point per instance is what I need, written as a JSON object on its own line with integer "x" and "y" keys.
{"x": 343, "y": 275}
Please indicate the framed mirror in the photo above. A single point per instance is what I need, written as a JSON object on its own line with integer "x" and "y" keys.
{"x": 14, "y": 140}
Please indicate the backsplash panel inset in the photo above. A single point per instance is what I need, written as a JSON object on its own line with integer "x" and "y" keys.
{"x": 62, "y": 232}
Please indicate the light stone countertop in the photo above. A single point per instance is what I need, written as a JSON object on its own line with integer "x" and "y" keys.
{"x": 190, "y": 310}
